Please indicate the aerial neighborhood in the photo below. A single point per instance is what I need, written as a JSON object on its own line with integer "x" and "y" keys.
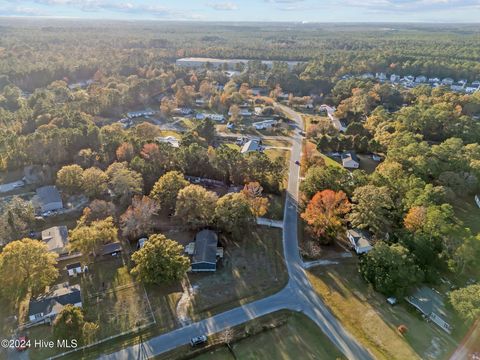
{"x": 238, "y": 192}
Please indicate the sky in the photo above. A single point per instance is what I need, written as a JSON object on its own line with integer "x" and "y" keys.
{"x": 433, "y": 11}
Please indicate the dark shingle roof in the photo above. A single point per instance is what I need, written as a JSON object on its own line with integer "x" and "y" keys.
{"x": 205, "y": 247}
{"x": 73, "y": 266}
{"x": 60, "y": 296}
{"x": 111, "y": 248}
{"x": 48, "y": 195}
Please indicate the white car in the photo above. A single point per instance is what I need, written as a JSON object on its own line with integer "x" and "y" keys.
{"x": 198, "y": 340}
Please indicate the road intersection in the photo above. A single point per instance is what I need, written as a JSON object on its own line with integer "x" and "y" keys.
{"x": 298, "y": 295}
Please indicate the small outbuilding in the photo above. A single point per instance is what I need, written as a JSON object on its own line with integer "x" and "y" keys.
{"x": 112, "y": 249}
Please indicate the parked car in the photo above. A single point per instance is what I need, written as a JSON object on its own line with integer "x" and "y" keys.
{"x": 392, "y": 300}
{"x": 297, "y": 162}
{"x": 198, "y": 340}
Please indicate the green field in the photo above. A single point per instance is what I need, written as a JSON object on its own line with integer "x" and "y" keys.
{"x": 299, "y": 338}
{"x": 365, "y": 313}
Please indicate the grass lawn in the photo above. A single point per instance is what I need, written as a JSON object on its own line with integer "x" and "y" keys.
{"x": 274, "y": 154}
{"x": 276, "y": 142}
{"x": 298, "y": 338}
{"x": 329, "y": 161}
{"x": 252, "y": 269}
{"x": 374, "y": 323}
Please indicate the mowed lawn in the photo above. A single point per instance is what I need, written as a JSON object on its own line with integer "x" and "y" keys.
{"x": 298, "y": 338}
{"x": 252, "y": 269}
{"x": 467, "y": 210}
{"x": 365, "y": 313}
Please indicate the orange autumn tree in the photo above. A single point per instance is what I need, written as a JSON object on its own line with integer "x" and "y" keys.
{"x": 415, "y": 218}
{"x": 324, "y": 214}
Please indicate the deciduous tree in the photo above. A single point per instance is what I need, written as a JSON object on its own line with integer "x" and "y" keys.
{"x": 196, "y": 206}
{"x": 165, "y": 190}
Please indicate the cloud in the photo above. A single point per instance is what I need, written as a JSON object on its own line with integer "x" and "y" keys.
{"x": 224, "y": 6}
{"x": 411, "y": 5}
{"x": 20, "y": 11}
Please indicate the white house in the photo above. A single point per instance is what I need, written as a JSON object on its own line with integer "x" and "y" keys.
{"x": 381, "y": 76}
{"x": 367, "y": 76}
{"x": 360, "y": 240}
{"x": 265, "y": 124}
{"x": 409, "y": 78}
{"x": 470, "y": 89}
{"x": 76, "y": 268}
{"x": 350, "y": 160}
{"x": 171, "y": 140}
{"x": 45, "y": 308}
{"x": 434, "y": 80}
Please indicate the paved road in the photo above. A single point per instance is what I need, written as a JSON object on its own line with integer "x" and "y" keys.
{"x": 298, "y": 295}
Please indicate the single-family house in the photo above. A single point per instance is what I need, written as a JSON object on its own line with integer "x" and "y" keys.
{"x": 447, "y": 81}
{"x": 75, "y": 269}
{"x": 251, "y": 145}
{"x": 45, "y": 308}
{"x": 205, "y": 252}
{"x": 381, "y": 76}
{"x": 434, "y": 80}
{"x": 350, "y": 160}
{"x": 409, "y": 78}
{"x": 215, "y": 117}
{"x": 48, "y": 198}
{"x": 471, "y": 89}
{"x": 476, "y": 83}
{"x": 182, "y": 111}
{"x": 265, "y": 124}
{"x": 171, "y": 140}
{"x": 477, "y": 200}
{"x": 56, "y": 239}
{"x": 360, "y": 240}
{"x": 430, "y": 303}
{"x": 200, "y": 102}
{"x": 111, "y": 249}
{"x": 137, "y": 114}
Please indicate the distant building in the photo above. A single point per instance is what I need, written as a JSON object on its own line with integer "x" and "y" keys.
{"x": 447, "y": 81}
{"x": 45, "y": 308}
{"x": 251, "y": 145}
{"x": 214, "y": 117}
{"x": 137, "y": 114}
{"x": 205, "y": 252}
{"x": 381, "y": 76}
{"x": 48, "y": 199}
{"x": 265, "y": 124}
{"x": 171, "y": 140}
{"x": 360, "y": 240}
{"x": 230, "y": 64}
{"x": 395, "y": 78}
{"x": 350, "y": 160}
{"x": 421, "y": 79}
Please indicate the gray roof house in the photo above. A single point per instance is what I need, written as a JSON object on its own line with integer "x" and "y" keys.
{"x": 205, "y": 253}
{"x": 350, "y": 160}
{"x": 111, "y": 249}
{"x": 360, "y": 240}
{"x": 430, "y": 303}
{"x": 48, "y": 198}
{"x": 56, "y": 238}
{"x": 45, "y": 308}
{"x": 251, "y": 145}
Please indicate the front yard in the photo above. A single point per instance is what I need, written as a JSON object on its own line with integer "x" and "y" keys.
{"x": 251, "y": 269}
{"x": 366, "y": 314}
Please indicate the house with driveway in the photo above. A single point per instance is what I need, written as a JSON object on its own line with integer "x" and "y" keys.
{"x": 430, "y": 304}
{"x": 45, "y": 308}
{"x": 56, "y": 239}
{"x": 48, "y": 198}
{"x": 204, "y": 251}
{"x": 360, "y": 240}
{"x": 350, "y": 160}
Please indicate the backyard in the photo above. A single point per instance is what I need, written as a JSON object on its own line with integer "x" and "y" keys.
{"x": 252, "y": 268}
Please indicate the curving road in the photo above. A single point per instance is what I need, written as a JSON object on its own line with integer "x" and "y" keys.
{"x": 298, "y": 294}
